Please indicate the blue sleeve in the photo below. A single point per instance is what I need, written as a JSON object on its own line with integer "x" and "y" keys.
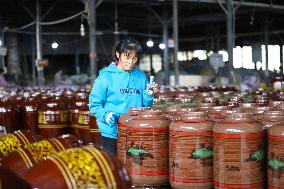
{"x": 97, "y": 99}
{"x": 147, "y": 99}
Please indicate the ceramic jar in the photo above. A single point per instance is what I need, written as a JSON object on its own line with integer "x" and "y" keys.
{"x": 147, "y": 150}
{"x": 85, "y": 167}
{"x": 95, "y": 135}
{"x": 238, "y": 153}
{"x": 190, "y": 152}
{"x": 21, "y": 160}
{"x": 30, "y": 107}
{"x": 12, "y": 141}
{"x": 52, "y": 119}
{"x": 9, "y": 114}
{"x": 276, "y": 156}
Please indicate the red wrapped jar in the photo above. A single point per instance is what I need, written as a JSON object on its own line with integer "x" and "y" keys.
{"x": 85, "y": 167}
{"x": 276, "y": 156}
{"x": 190, "y": 152}
{"x": 122, "y": 136}
{"x": 52, "y": 119}
{"x": 238, "y": 153}
{"x": 147, "y": 150}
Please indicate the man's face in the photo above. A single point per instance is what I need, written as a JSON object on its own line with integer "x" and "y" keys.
{"x": 127, "y": 60}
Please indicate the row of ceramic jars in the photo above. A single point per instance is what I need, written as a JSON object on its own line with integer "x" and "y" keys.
{"x": 190, "y": 148}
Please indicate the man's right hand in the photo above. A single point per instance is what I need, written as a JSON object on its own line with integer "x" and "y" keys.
{"x": 111, "y": 118}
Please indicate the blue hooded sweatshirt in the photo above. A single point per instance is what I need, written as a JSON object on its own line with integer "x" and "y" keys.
{"x": 115, "y": 91}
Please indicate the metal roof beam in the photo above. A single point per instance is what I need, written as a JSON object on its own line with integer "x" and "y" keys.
{"x": 242, "y": 3}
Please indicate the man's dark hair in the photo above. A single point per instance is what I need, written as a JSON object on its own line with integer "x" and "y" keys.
{"x": 2, "y": 70}
{"x": 127, "y": 45}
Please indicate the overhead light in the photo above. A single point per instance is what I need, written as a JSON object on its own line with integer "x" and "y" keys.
{"x": 162, "y": 46}
{"x": 0, "y": 42}
{"x": 150, "y": 43}
{"x": 82, "y": 30}
{"x": 54, "y": 45}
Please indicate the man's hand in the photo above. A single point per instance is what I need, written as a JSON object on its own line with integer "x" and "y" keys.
{"x": 151, "y": 89}
{"x": 111, "y": 118}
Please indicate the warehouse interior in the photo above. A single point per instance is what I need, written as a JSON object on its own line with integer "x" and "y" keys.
{"x": 141, "y": 94}
{"x": 202, "y": 27}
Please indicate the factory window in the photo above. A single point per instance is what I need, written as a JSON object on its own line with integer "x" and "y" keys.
{"x": 145, "y": 63}
{"x": 200, "y": 54}
{"x": 225, "y": 55}
{"x": 273, "y": 57}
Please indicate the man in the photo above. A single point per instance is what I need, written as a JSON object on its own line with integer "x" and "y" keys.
{"x": 119, "y": 86}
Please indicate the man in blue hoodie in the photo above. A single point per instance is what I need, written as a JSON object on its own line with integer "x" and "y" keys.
{"x": 119, "y": 86}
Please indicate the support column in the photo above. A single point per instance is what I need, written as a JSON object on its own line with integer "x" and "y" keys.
{"x": 92, "y": 38}
{"x": 116, "y": 38}
{"x": 281, "y": 58}
{"x": 266, "y": 42}
{"x": 230, "y": 38}
{"x": 166, "y": 49}
{"x": 40, "y": 71}
{"x": 175, "y": 31}
{"x": 77, "y": 60}
{"x": 33, "y": 62}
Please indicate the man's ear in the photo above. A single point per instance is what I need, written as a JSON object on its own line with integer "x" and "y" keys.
{"x": 117, "y": 54}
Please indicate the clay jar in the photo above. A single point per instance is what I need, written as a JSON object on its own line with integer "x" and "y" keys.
{"x": 52, "y": 119}
{"x": 95, "y": 135}
{"x": 276, "y": 156}
{"x": 215, "y": 113}
{"x": 271, "y": 118}
{"x": 238, "y": 153}
{"x": 79, "y": 118}
{"x": 13, "y": 141}
{"x": 25, "y": 157}
{"x": 190, "y": 152}
{"x": 147, "y": 150}
{"x": 85, "y": 167}
{"x": 122, "y": 128}
{"x": 9, "y": 116}
{"x": 259, "y": 111}
{"x": 30, "y": 108}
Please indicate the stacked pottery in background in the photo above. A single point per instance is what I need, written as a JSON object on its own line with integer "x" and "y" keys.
{"x": 190, "y": 152}
{"x": 276, "y": 156}
{"x": 122, "y": 131}
{"x": 147, "y": 150}
{"x": 238, "y": 153}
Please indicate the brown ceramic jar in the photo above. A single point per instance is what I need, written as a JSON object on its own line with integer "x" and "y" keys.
{"x": 85, "y": 167}
{"x": 259, "y": 111}
{"x": 79, "y": 119}
{"x": 12, "y": 141}
{"x": 52, "y": 119}
{"x": 26, "y": 157}
{"x": 147, "y": 150}
{"x": 238, "y": 153}
{"x": 29, "y": 109}
{"x": 95, "y": 135}
{"x": 190, "y": 152}
{"x": 276, "y": 156}
{"x": 9, "y": 116}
